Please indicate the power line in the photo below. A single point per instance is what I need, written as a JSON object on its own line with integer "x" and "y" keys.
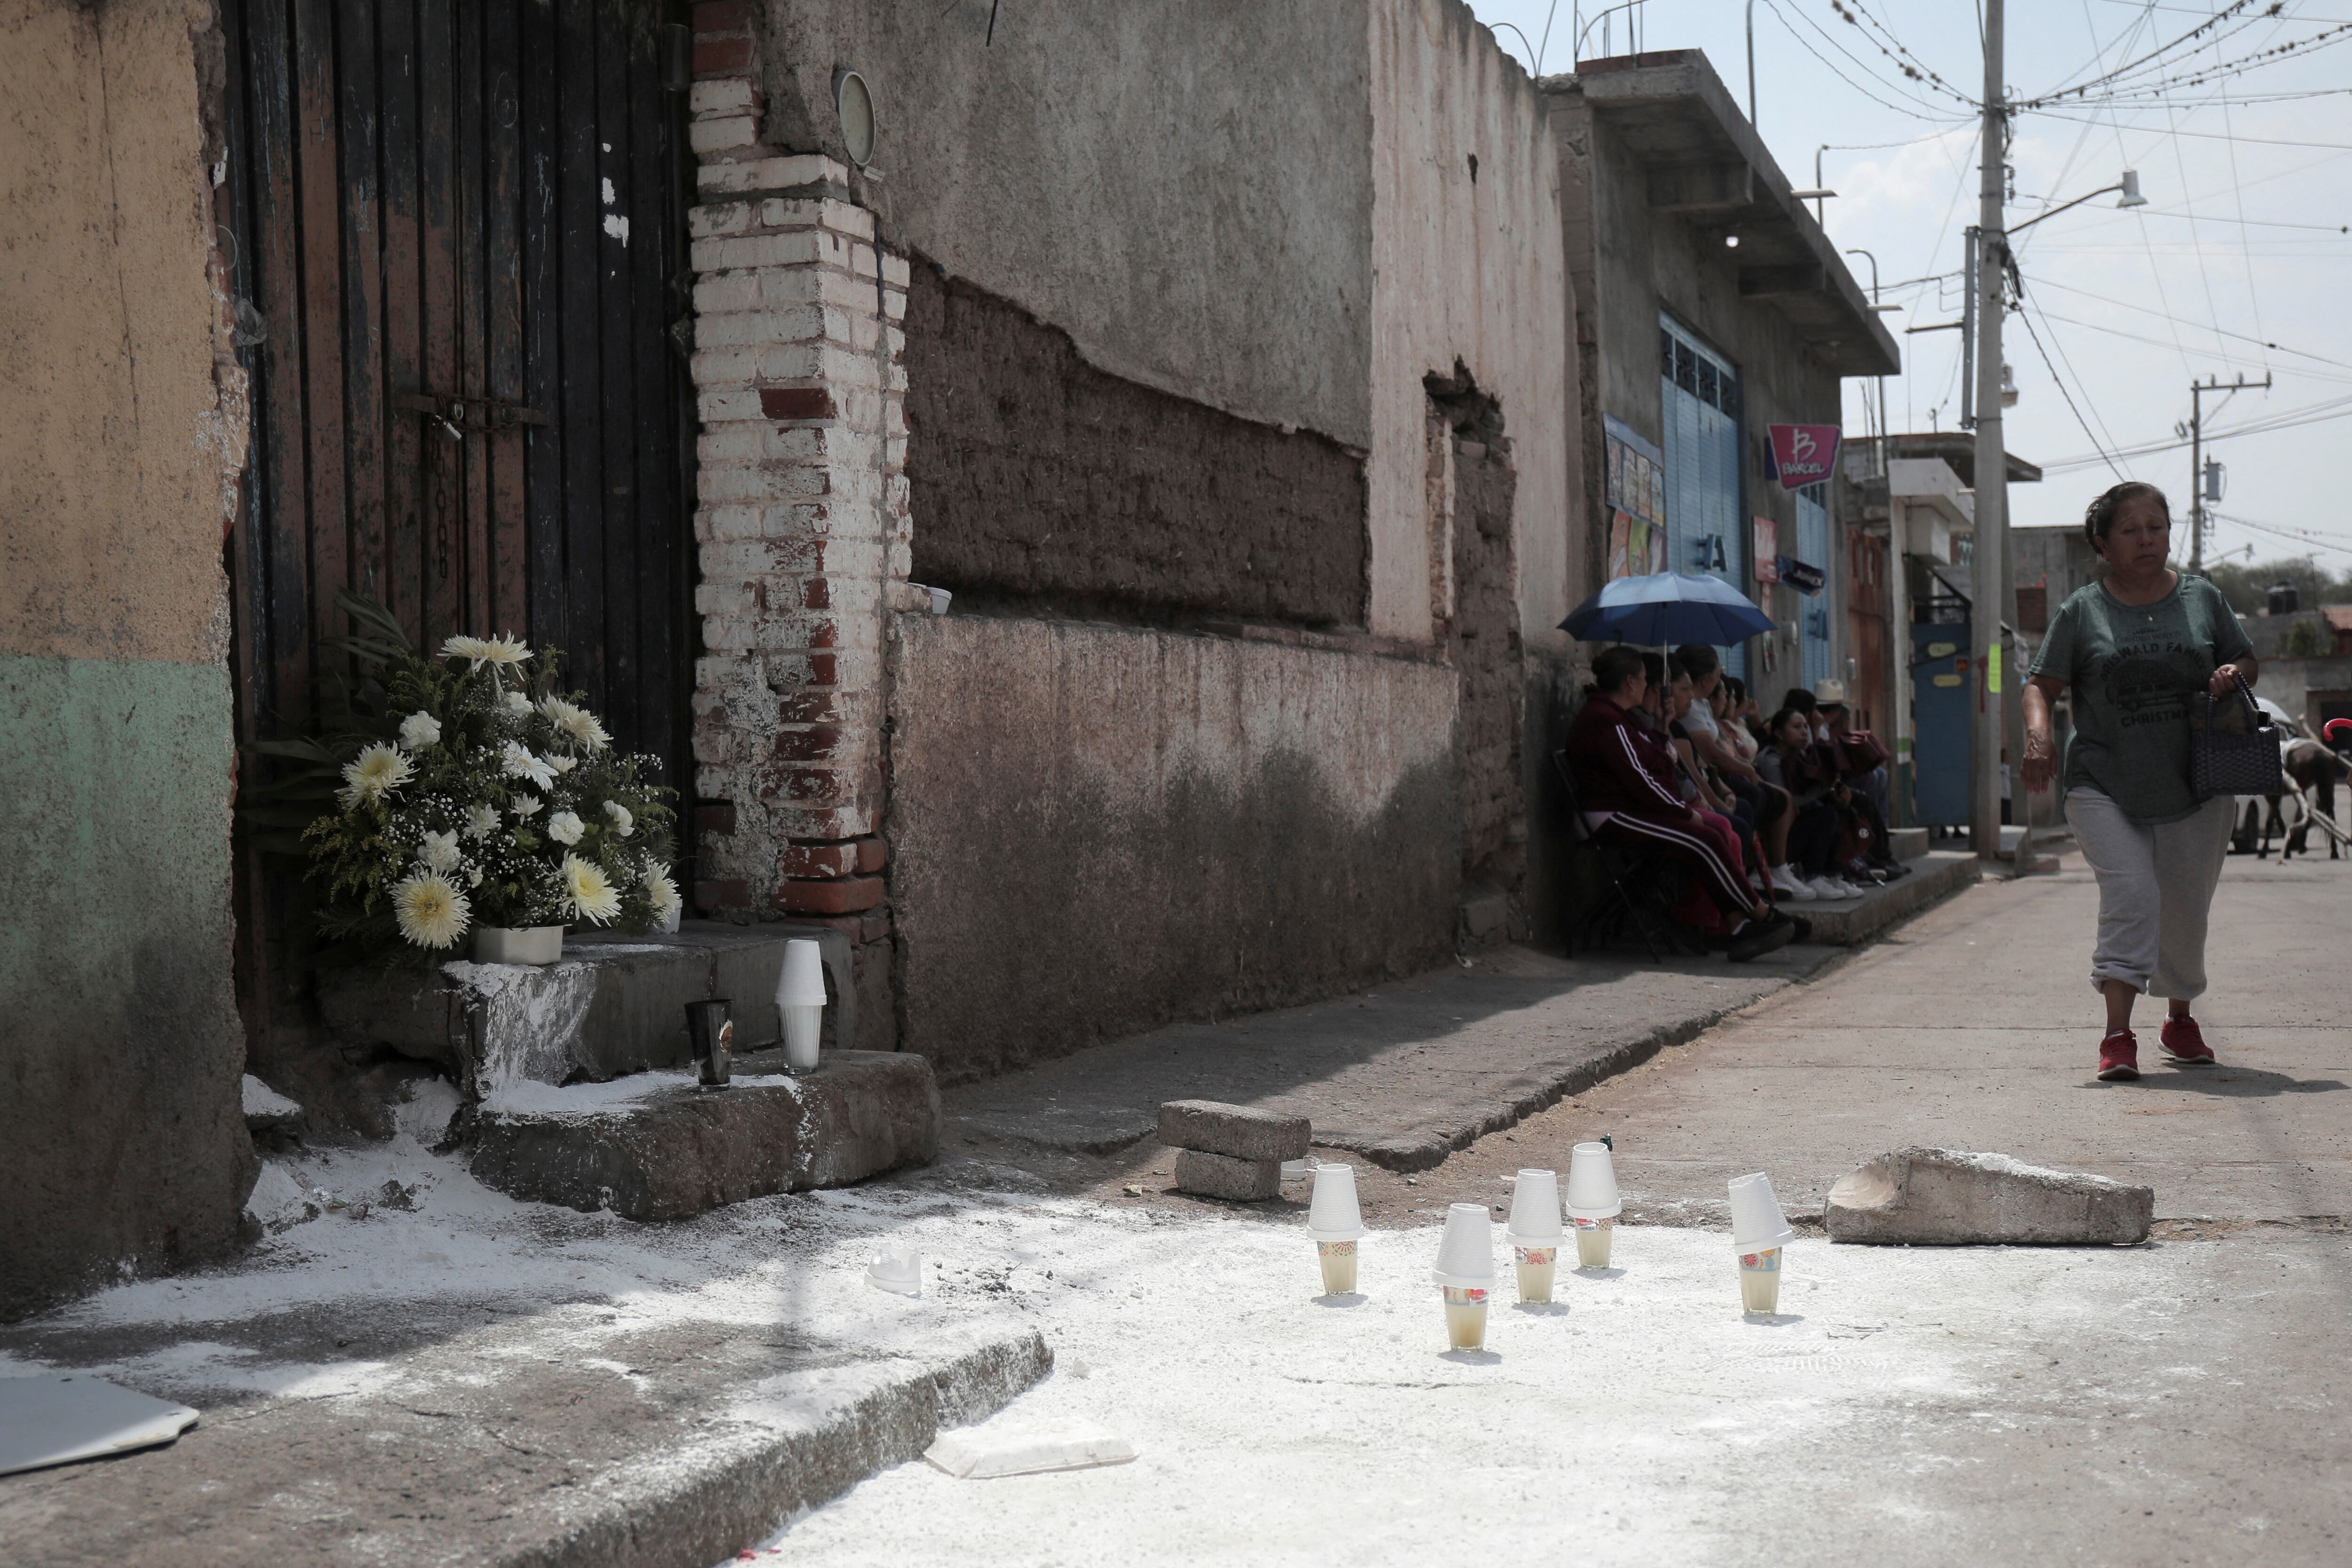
{"x": 1904, "y": 60}
{"x": 2127, "y": 305}
{"x": 2293, "y": 418}
{"x": 2159, "y": 343}
{"x": 2028, "y": 319}
{"x": 2294, "y": 535}
{"x": 1773, "y": 5}
{"x": 2079, "y": 88}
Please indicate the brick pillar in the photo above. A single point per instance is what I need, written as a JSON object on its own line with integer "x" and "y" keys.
{"x": 802, "y": 525}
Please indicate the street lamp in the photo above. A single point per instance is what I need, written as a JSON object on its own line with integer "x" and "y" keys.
{"x": 2128, "y": 185}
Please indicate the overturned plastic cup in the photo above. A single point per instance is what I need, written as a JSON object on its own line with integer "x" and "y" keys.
{"x": 898, "y": 1269}
{"x": 1465, "y": 1273}
{"x": 1336, "y": 1223}
{"x": 800, "y": 998}
{"x": 1534, "y": 1233}
{"x": 1594, "y": 1204}
{"x": 1760, "y": 1235}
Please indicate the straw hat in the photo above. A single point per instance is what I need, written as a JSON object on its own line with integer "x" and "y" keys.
{"x": 1829, "y": 693}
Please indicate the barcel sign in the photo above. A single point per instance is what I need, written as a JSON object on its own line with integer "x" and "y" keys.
{"x": 1803, "y": 454}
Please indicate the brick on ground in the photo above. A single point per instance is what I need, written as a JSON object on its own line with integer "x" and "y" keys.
{"x": 1235, "y": 1132}
{"x": 1221, "y": 1176}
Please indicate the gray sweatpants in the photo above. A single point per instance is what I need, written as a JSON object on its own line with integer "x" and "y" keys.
{"x": 2156, "y": 887}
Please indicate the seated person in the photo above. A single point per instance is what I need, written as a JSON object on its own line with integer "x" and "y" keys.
{"x": 1730, "y": 752}
{"x": 1624, "y": 777}
{"x": 1701, "y": 785}
{"x": 1863, "y": 760}
{"x": 1793, "y": 762}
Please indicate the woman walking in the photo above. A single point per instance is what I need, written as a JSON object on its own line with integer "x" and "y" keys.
{"x": 2134, "y": 648}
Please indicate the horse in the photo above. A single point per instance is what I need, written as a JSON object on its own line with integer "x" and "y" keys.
{"x": 2310, "y": 770}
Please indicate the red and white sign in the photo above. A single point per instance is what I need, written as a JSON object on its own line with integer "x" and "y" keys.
{"x": 1766, "y": 551}
{"x": 1803, "y": 454}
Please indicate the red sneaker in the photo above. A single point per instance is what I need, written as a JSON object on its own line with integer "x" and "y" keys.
{"x": 2119, "y": 1056}
{"x": 2184, "y": 1042}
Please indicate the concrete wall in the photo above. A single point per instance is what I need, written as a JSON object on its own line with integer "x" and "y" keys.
{"x": 1468, "y": 269}
{"x": 122, "y": 1144}
{"x": 1181, "y": 186}
{"x": 1097, "y": 828}
{"x": 1629, "y": 264}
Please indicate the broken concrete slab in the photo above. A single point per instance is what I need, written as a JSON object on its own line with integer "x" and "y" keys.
{"x": 614, "y": 1004}
{"x": 1220, "y": 1176}
{"x": 1947, "y": 1197}
{"x": 1237, "y": 1132}
{"x": 276, "y": 1122}
{"x": 657, "y": 1146}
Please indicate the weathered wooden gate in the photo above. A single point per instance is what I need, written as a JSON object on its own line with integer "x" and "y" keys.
{"x": 456, "y": 233}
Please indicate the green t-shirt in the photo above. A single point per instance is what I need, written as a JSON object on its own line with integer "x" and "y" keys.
{"x": 2134, "y": 670}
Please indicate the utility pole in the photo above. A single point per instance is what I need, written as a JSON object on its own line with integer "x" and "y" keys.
{"x": 1989, "y": 571}
{"x": 2197, "y": 391}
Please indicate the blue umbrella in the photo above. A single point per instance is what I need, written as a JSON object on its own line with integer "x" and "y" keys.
{"x": 1665, "y": 608}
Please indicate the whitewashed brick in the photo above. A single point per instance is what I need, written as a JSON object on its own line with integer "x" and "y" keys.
{"x": 728, "y": 95}
{"x": 772, "y": 173}
{"x": 724, "y": 291}
{"x": 726, "y": 405}
{"x": 719, "y": 135}
{"x": 717, "y": 218}
{"x": 787, "y": 249}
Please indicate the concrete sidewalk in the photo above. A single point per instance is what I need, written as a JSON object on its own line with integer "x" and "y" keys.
{"x": 459, "y": 1378}
{"x": 1405, "y": 1074}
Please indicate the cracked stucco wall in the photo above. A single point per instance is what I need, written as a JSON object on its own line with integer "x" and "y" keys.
{"x": 122, "y": 428}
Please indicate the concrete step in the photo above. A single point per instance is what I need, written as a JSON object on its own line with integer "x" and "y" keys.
{"x": 614, "y": 1004}
{"x": 1908, "y": 842}
{"x": 1849, "y": 922}
{"x": 658, "y": 1146}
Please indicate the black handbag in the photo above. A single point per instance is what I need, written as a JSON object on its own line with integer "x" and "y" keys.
{"x": 2245, "y": 764}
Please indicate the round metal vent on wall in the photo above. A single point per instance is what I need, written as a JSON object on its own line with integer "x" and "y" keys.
{"x": 855, "y": 103}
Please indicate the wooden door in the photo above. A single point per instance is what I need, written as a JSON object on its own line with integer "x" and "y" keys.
{"x": 458, "y": 245}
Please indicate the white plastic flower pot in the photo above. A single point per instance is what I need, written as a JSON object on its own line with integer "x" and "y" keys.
{"x": 509, "y": 944}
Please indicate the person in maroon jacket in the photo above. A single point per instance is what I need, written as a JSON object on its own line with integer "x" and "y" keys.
{"x": 1627, "y": 787}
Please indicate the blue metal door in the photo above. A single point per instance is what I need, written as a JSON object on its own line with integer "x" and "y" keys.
{"x": 1813, "y": 609}
{"x": 1699, "y": 393}
{"x": 1939, "y": 724}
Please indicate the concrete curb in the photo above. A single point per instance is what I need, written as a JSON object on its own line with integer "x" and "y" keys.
{"x": 713, "y": 1511}
{"x": 1429, "y": 1150}
{"x": 1934, "y": 878}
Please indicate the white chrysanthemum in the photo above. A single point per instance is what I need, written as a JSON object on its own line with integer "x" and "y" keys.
{"x": 576, "y": 723}
{"x": 439, "y": 851}
{"x": 419, "y": 728}
{"x": 517, "y": 762}
{"x": 525, "y": 805}
{"x": 482, "y": 820}
{"x": 623, "y": 823}
{"x": 661, "y": 890}
{"x": 565, "y": 827}
{"x": 505, "y": 649}
{"x": 431, "y": 912}
{"x": 379, "y": 770}
{"x": 563, "y": 764}
{"x": 517, "y": 705}
{"x": 473, "y": 648}
{"x": 592, "y": 897}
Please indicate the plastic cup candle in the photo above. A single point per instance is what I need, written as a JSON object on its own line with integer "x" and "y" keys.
{"x": 1759, "y": 1233}
{"x": 1593, "y": 1205}
{"x": 1534, "y": 1233}
{"x": 1337, "y": 1224}
{"x": 800, "y": 998}
{"x": 1465, "y": 1273}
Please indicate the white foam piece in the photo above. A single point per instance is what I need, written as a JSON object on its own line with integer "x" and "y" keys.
{"x": 975, "y": 1454}
{"x": 64, "y": 1417}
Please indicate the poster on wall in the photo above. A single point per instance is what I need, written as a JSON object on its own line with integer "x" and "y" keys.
{"x": 1636, "y": 494}
{"x": 1767, "y": 545}
{"x": 1803, "y": 454}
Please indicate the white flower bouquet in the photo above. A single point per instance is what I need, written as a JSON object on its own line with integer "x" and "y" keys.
{"x": 468, "y": 791}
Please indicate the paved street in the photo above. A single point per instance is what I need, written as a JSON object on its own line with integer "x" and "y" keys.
{"x": 2184, "y": 1400}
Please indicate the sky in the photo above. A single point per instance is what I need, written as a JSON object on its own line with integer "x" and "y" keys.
{"x": 2242, "y": 243}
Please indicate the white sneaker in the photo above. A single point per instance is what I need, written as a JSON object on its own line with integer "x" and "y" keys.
{"x": 1830, "y": 888}
{"x": 1791, "y": 886}
{"x": 1847, "y": 890}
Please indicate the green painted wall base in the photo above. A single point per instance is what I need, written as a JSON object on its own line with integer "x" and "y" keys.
{"x": 122, "y": 1140}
